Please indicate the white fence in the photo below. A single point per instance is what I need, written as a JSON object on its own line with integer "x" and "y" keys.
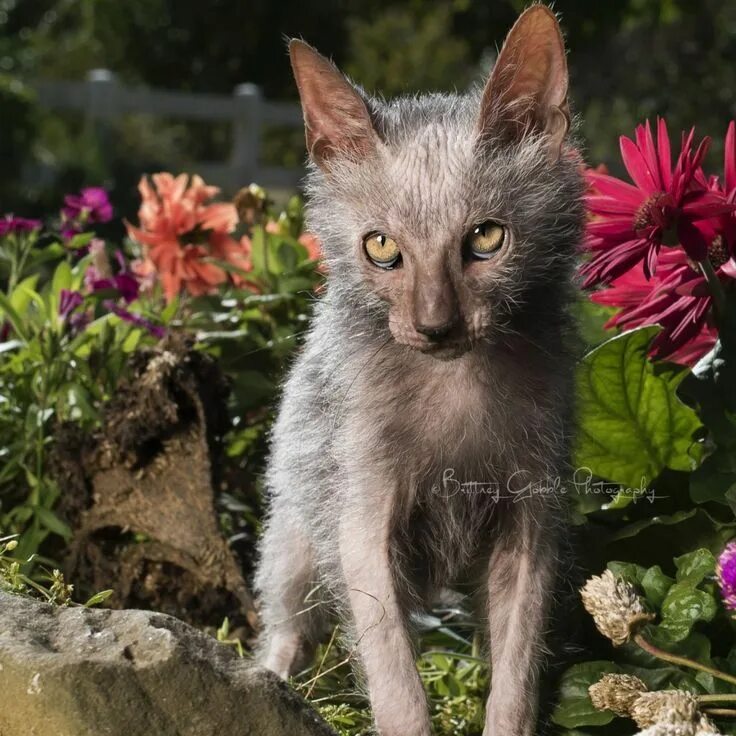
{"x": 101, "y": 97}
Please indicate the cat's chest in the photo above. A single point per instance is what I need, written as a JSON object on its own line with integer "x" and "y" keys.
{"x": 449, "y": 414}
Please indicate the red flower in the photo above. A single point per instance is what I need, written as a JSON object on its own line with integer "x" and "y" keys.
{"x": 630, "y": 222}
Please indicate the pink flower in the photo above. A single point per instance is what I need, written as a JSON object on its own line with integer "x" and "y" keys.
{"x": 676, "y": 298}
{"x": 89, "y": 206}
{"x": 726, "y": 573}
{"x": 631, "y": 222}
{"x": 667, "y": 287}
{"x": 12, "y": 224}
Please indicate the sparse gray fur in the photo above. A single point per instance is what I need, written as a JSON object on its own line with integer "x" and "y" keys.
{"x": 369, "y": 422}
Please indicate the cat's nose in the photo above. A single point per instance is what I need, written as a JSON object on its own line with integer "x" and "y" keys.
{"x": 435, "y": 332}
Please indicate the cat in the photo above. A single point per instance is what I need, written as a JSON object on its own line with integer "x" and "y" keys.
{"x": 432, "y": 400}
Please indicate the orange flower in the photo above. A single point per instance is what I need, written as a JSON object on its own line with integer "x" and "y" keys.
{"x": 182, "y": 232}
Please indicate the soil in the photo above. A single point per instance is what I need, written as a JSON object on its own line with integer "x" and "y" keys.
{"x": 139, "y": 494}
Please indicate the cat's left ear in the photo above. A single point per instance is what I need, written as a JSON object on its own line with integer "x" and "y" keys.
{"x": 527, "y": 90}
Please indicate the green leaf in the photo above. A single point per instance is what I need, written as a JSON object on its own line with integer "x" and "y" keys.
{"x": 98, "y": 598}
{"x": 632, "y": 423}
{"x": 53, "y": 523}
{"x": 715, "y": 478}
{"x": 629, "y": 571}
{"x": 694, "y": 567}
{"x": 683, "y": 607}
{"x": 574, "y": 708}
{"x": 13, "y": 317}
{"x": 22, "y": 294}
{"x": 655, "y": 585}
{"x": 62, "y": 277}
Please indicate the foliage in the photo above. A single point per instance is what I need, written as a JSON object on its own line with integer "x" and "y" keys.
{"x": 659, "y": 439}
{"x": 53, "y": 588}
{"x": 454, "y": 674}
{"x": 73, "y": 309}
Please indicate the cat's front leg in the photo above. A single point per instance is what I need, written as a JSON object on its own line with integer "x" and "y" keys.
{"x": 521, "y": 580}
{"x": 397, "y": 698}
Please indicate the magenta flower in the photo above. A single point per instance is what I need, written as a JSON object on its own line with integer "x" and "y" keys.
{"x": 726, "y": 572}
{"x": 91, "y": 205}
{"x": 631, "y": 222}
{"x": 69, "y": 301}
{"x": 99, "y": 276}
{"x": 12, "y": 224}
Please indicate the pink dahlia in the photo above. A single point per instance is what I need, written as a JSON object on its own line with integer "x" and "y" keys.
{"x": 630, "y": 222}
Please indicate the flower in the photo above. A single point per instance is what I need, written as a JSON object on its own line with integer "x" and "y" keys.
{"x": 250, "y": 203}
{"x": 675, "y": 708}
{"x": 726, "y": 574}
{"x": 184, "y": 234}
{"x": 68, "y": 302}
{"x": 631, "y": 222}
{"x": 12, "y": 224}
{"x": 89, "y": 206}
{"x": 616, "y": 609}
{"x": 676, "y": 298}
{"x": 100, "y": 277}
{"x": 616, "y": 693}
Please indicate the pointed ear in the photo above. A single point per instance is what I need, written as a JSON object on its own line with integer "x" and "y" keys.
{"x": 336, "y": 118}
{"x": 527, "y": 90}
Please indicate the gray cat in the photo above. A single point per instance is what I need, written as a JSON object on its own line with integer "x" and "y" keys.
{"x": 431, "y": 406}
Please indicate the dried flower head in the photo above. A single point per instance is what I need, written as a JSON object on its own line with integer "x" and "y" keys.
{"x": 671, "y": 724}
{"x": 617, "y": 610}
{"x": 665, "y": 706}
{"x": 616, "y": 693}
{"x": 726, "y": 571}
{"x": 251, "y": 203}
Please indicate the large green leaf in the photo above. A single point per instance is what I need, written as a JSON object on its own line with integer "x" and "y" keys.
{"x": 632, "y": 424}
{"x": 575, "y": 708}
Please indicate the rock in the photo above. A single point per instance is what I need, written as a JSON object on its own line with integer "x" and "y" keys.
{"x": 84, "y": 672}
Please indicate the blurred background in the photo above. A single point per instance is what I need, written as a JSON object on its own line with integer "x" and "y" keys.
{"x": 629, "y": 60}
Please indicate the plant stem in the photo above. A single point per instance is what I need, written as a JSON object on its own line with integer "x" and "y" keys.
{"x": 717, "y": 698}
{"x": 723, "y": 712}
{"x": 681, "y": 661}
{"x": 714, "y": 285}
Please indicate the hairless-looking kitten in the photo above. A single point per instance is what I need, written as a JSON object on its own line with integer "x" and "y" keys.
{"x": 432, "y": 401}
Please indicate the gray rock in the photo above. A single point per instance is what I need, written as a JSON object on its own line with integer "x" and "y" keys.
{"x": 84, "y": 672}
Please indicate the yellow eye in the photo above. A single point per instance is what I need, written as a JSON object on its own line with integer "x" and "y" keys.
{"x": 484, "y": 240}
{"x": 382, "y": 250}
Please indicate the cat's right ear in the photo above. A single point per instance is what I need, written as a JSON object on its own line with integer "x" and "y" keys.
{"x": 336, "y": 117}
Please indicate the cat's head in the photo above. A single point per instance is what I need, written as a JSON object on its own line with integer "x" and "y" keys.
{"x": 447, "y": 219}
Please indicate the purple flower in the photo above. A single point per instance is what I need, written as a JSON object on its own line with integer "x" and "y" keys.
{"x": 90, "y": 205}
{"x": 99, "y": 276}
{"x": 12, "y": 224}
{"x": 726, "y": 571}
{"x": 135, "y": 319}
{"x": 69, "y": 301}
{"x": 124, "y": 283}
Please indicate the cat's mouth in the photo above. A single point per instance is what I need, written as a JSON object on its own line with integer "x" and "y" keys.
{"x": 448, "y": 350}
